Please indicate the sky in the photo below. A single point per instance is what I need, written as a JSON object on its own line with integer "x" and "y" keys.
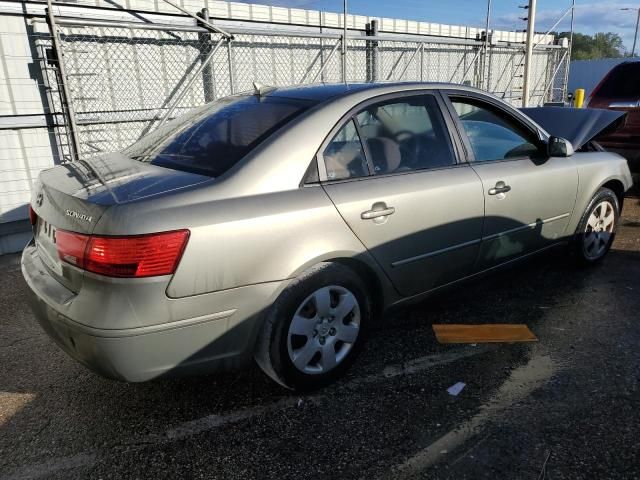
{"x": 590, "y": 17}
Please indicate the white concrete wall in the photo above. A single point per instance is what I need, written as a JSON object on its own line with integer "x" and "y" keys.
{"x": 23, "y": 153}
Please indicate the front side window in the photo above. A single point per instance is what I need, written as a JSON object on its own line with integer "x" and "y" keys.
{"x": 492, "y": 136}
{"x": 344, "y": 156}
{"x": 212, "y": 139}
{"x": 405, "y": 135}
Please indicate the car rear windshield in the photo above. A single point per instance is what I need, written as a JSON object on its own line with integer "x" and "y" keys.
{"x": 213, "y": 138}
{"x": 622, "y": 81}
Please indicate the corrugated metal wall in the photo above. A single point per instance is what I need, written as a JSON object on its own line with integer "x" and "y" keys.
{"x": 588, "y": 73}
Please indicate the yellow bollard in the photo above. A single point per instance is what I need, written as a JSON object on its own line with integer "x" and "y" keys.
{"x": 578, "y": 99}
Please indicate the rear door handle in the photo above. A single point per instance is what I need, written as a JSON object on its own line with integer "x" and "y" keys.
{"x": 378, "y": 210}
{"x": 500, "y": 187}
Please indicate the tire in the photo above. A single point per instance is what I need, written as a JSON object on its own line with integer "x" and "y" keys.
{"x": 298, "y": 354}
{"x": 597, "y": 228}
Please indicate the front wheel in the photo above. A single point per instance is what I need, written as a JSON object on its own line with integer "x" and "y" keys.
{"x": 315, "y": 328}
{"x": 597, "y": 228}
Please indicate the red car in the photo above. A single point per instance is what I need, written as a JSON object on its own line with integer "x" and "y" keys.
{"x": 620, "y": 90}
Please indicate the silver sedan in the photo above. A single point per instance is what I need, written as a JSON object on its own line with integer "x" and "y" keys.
{"x": 279, "y": 224}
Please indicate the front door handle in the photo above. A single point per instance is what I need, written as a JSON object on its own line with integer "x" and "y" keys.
{"x": 500, "y": 187}
{"x": 378, "y": 209}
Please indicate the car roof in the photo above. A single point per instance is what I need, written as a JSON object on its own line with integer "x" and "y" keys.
{"x": 321, "y": 92}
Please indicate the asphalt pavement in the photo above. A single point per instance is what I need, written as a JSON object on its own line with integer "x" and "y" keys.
{"x": 566, "y": 407}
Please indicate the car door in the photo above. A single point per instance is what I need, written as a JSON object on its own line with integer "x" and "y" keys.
{"x": 391, "y": 171}
{"x": 529, "y": 197}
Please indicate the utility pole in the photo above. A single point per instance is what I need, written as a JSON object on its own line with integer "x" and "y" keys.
{"x": 531, "y": 23}
{"x": 565, "y": 84}
{"x": 635, "y": 35}
{"x": 485, "y": 73}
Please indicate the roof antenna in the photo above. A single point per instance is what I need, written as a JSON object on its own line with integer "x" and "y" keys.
{"x": 260, "y": 90}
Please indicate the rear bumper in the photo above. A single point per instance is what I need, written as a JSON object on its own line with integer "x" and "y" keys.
{"x": 217, "y": 341}
{"x": 138, "y": 358}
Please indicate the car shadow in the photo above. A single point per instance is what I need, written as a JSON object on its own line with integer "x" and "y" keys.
{"x": 79, "y": 401}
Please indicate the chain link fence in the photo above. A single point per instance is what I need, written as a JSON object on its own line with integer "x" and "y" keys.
{"x": 124, "y": 80}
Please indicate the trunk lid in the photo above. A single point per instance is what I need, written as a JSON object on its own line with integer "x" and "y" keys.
{"x": 74, "y": 196}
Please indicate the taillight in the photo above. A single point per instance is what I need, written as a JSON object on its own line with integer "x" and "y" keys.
{"x": 72, "y": 247}
{"x": 129, "y": 257}
{"x": 33, "y": 216}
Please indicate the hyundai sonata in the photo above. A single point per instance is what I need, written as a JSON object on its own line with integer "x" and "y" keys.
{"x": 278, "y": 224}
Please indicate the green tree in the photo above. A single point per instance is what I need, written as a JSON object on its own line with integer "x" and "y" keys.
{"x": 592, "y": 47}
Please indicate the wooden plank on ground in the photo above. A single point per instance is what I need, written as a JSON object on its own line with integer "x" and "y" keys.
{"x": 487, "y": 333}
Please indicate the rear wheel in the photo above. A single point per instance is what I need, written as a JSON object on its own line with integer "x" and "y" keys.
{"x": 315, "y": 328}
{"x": 597, "y": 228}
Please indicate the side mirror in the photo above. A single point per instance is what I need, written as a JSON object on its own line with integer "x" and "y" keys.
{"x": 559, "y": 147}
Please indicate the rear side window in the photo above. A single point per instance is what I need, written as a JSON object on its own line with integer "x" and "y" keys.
{"x": 212, "y": 140}
{"x": 622, "y": 81}
{"x": 400, "y": 135}
{"x": 344, "y": 155}
{"x": 404, "y": 135}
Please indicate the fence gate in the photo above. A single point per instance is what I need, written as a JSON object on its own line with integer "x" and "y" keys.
{"x": 113, "y": 82}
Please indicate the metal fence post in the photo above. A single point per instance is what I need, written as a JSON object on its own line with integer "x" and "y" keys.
{"x": 371, "y": 30}
{"x": 375, "y": 51}
{"x": 478, "y": 68}
{"x": 322, "y": 60}
{"x": 232, "y": 75}
{"x": 488, "y": 58}
{"x": 422, "y": 62}
{"x": 67, "y": 103}
{"x": 207, "y": 73}
{"x": 368, "y": 49}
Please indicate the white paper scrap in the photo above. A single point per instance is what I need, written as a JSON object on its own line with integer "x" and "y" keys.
{"x": 456, "y": 389}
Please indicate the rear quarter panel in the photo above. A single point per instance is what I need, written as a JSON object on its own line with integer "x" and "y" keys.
{"x": 244, "y": 240}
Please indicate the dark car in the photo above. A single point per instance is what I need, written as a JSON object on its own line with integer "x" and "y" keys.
{"x": 620, "y": 90}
